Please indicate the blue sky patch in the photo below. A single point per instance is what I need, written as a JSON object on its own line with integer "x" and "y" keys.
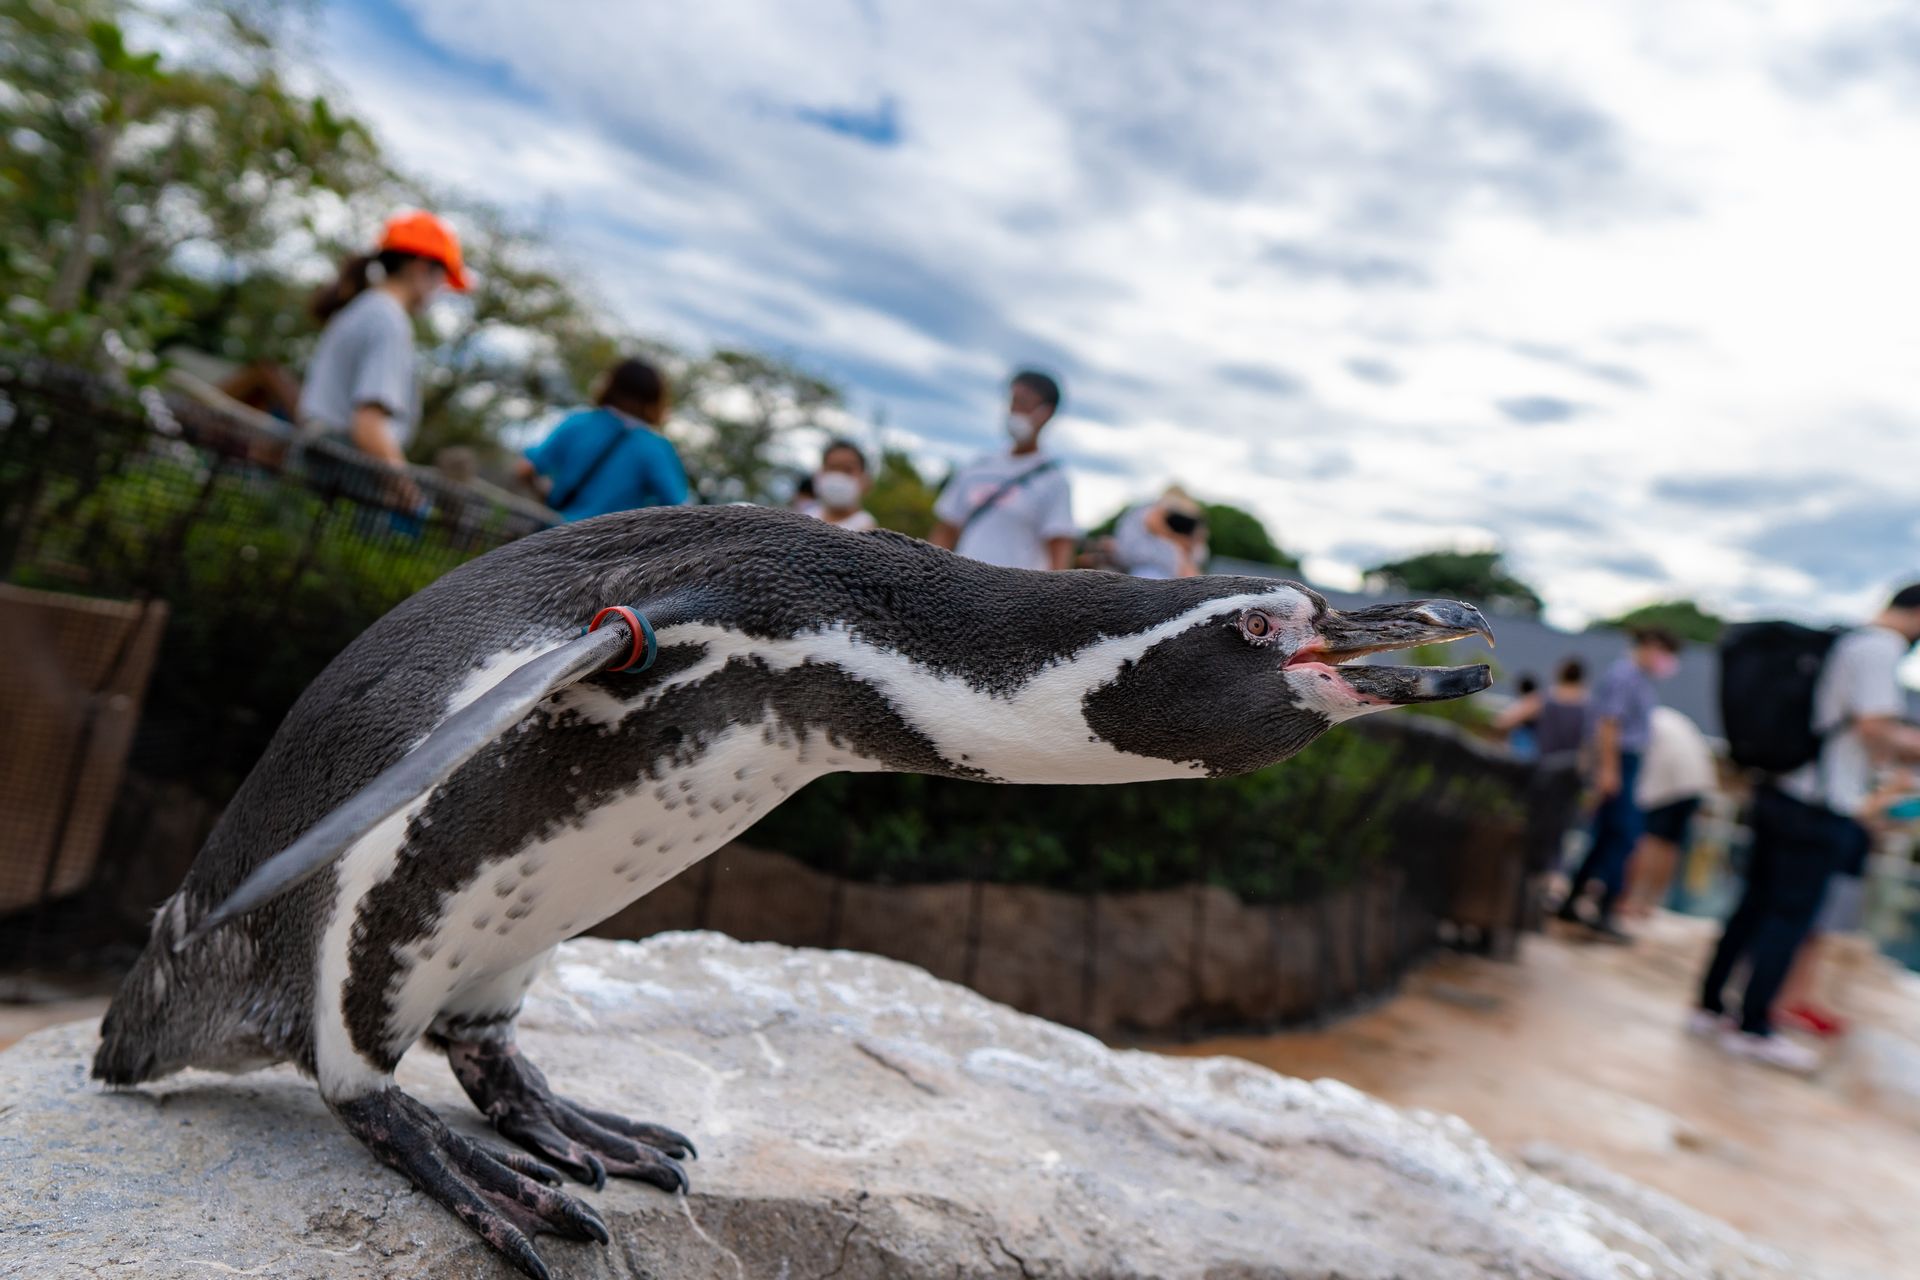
{"x": 877, "y": 125}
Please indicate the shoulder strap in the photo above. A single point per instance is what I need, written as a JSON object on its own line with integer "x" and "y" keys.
{"x": 1822, "y": 770}
{"x": 559, "y": 500}
{"x": 1006, "y": 487}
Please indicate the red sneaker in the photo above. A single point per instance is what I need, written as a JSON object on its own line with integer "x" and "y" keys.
{"x": 1814, "y": 1020}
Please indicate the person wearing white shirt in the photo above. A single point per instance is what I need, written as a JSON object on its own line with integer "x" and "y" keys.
{"x": 1808, "y": 825}
{"x": 1015, "y": 508}
{"x": 1676, "y": 774}
{"x": 840, "y": 488}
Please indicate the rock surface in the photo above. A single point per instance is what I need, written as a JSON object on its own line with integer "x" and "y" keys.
{"x": 856, "y": 1118}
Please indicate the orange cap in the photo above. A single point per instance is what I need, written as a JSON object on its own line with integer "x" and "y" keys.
{"x": 423, "y": 234}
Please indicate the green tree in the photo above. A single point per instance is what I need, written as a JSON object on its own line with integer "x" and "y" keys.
{"x": 735, "y": 408}
{"x": 1684, "y": 618}
{"x": 901, "y": 498}
{"x": 191, "y": 197}
{"x": 114, "y": 160}
{"x": 1478, "y": 577}
{"x": 1238, "y": 534}
{"x": 522, "y": 341}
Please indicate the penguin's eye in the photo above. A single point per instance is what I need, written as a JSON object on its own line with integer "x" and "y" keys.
{"x": 1256, "y": 624}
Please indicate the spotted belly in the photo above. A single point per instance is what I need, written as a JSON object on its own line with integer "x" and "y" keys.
{"x": 474, "y": 963}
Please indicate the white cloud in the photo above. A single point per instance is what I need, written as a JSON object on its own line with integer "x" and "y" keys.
{"x": 1297, "y": 256}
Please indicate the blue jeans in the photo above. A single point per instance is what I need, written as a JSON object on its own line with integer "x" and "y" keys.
{"x": 1616, "y": 829}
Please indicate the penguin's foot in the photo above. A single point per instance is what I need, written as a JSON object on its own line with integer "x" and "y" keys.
{"x": 585, "y": 1143}
{"x": 503, "y": 1195}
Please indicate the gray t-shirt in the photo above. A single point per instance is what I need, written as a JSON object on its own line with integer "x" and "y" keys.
{"x": 1861, "y": 680}
{"x": 1144, "y": 553}
{"x": 1022, "y": 520}
{"x": 365, "y": 356}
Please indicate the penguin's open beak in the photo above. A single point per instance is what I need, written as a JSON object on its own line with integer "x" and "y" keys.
{"x": 1345, "y": 636}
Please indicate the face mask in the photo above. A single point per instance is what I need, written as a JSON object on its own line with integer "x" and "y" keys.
{"x": 1021, "y": 428}
{"x": 1665, "y": 665}
{"x": 836, "y": 490}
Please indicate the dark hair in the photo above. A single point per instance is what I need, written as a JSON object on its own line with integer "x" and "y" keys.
{"x": 1526, "y": 684}
{"x": 1659, "y": 637}
{"x": 1572, "y": 671}
{"x": 1040, "y": 384}
{"x": 356, "y": 276}
{"x": 1907, "y": 597}
{"x": 841, "y": 442}
{"x": 634, "y": 383}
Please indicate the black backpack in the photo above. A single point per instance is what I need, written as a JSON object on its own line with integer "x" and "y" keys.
{"x": 1768, "y": 673}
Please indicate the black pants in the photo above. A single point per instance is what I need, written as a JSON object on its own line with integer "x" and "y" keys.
{"x": 1796, "y": 847}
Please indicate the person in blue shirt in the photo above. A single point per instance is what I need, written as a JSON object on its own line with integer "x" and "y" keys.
{"x": 1619, "y": 727}
{"x": 611, "y": 457}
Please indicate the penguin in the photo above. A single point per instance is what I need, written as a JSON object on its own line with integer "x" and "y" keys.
{"x": 473, "y": 781}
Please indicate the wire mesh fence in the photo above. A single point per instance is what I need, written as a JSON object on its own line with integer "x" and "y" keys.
{"x": 269, "y": 550}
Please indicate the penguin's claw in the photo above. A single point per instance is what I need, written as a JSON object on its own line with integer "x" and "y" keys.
{"x": 537, "y": 1133}
{"x": 504, "y": 1196}
{"x": 658, "y": 1136}
{"x": 587, "y": 1144}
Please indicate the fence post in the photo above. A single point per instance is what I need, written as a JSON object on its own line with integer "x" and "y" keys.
{"x": 981, "y": 872}
{"x": 77, "y": 763}
{"x": 1090, "y": 937}
{"x": 837, "y": 891}
{"x": 1196, "y": 945}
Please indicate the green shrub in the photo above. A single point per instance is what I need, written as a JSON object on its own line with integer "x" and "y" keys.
{"x": 265, "y": 581}
{"x": 1322, "y": 820}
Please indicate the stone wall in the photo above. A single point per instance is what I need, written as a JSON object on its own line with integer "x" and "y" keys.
{"x": 1171, "y": 962}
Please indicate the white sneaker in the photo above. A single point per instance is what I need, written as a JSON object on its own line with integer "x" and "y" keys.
{"x": 1774, "y": 1051}
{"x": 1708, "y": 1025}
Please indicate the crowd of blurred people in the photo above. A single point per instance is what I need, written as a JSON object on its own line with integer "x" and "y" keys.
{"x": 1649, "y": 769}
{"x": 1813, "y": 830}
{"x": 1011, "y": 506}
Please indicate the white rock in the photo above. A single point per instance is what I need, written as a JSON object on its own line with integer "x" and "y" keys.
{"x": 855, "y": 1117}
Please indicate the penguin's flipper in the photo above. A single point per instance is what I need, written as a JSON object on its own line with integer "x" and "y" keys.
{"x": 461, "y": 736}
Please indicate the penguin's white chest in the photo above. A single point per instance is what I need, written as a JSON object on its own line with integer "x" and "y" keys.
{"x": 476, "y": 959}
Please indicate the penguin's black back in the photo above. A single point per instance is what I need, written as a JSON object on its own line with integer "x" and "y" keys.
{"x": 766, "y": 572}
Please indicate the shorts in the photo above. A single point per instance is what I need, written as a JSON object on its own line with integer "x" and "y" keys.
{"x": 1844, "y": 908}
{"x": 1673, "y": 822}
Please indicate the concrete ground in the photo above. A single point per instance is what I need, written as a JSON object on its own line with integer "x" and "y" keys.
{"x": 1580, "y": 1046}
{"x": 18, "y": 1020}
{"x": 32, "y": 1000}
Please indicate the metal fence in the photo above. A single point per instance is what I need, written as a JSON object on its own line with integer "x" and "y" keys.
{"x": 270, "y": 551}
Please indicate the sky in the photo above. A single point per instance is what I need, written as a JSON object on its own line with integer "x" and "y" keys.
{"x": 1627, "y": 290}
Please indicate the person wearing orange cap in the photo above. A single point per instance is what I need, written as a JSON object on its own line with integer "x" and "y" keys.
{"x": 361, "y": 385}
